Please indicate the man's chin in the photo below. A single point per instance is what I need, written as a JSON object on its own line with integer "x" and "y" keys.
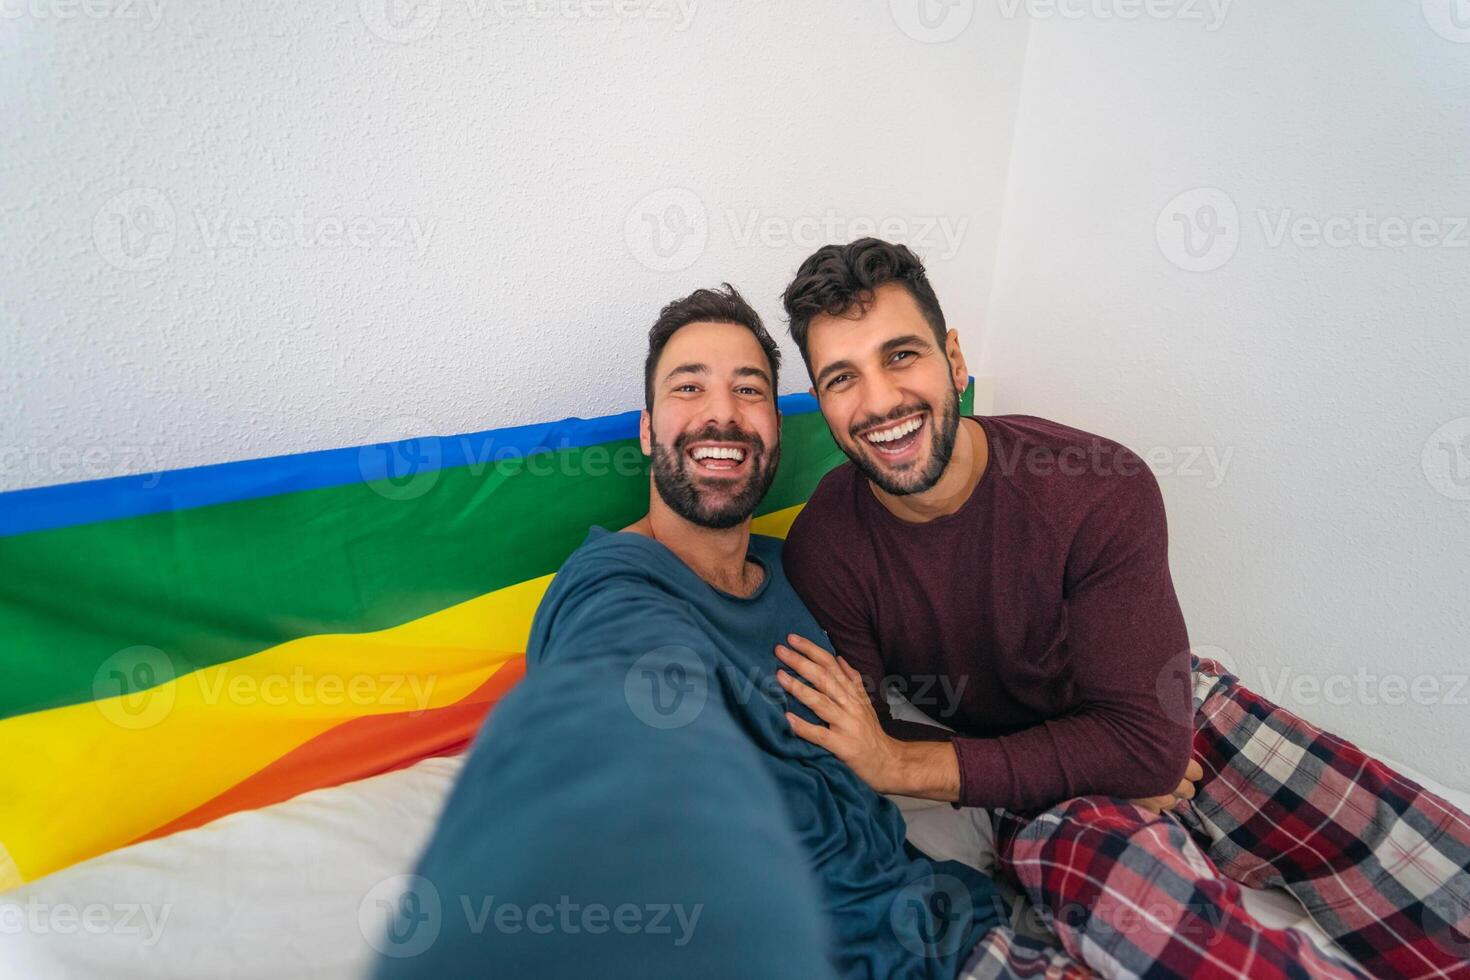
{"x": 721, "y": 521}
{"x": 897, "y": 480}
{"x": 715, "y": 508}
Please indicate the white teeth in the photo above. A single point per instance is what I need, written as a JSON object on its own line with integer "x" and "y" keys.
{"x": 718, "y": 452}
{"x": 897, "y": 432}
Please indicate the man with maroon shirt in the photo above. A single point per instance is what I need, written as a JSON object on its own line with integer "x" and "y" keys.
{"x": 1025, "y": 564}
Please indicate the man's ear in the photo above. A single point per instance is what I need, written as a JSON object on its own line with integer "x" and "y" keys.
{"x": 645, "y": 432}
{"x": 956, "y": 357}
{"x": 812, "y": 392}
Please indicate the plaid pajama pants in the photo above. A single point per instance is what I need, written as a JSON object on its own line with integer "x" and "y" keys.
{"x": 1380, "y": 864}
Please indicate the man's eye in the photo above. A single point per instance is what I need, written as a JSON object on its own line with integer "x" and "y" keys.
{"x": 904, "y": 354}
{"x": 838, "y": 380}
{"x": 749, "y": 391}
{"x": 687, "y": 387}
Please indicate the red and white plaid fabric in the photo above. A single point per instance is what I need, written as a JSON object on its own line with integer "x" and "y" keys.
{"x": 1379, "y": 863}
{"x": 1003, "y": 955}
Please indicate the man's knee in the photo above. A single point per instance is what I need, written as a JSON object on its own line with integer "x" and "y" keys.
{"x": 1097, "y": 822}
{"x": 1107, "y": 813}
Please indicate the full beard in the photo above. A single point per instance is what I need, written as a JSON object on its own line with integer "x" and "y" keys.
{"x": 916, "y": 478}
{"x": 675, "y": 480}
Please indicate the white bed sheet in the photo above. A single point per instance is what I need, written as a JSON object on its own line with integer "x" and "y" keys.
{"x": 291, "y": 890}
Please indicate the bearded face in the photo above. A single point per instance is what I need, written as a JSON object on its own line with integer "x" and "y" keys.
{"x": 713, "y": 432}
{"x": 715, "y": 476}
{"x": 906, "y": 450}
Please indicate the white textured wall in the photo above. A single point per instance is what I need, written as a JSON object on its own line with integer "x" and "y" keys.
{"x": 208, "y": 215}
{"x": 208, "y": 210}
{"x": 1330, "y": 539}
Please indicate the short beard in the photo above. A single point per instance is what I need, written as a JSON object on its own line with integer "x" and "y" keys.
{"x": 946, "y": 429}
{"x": 673, "y": 479}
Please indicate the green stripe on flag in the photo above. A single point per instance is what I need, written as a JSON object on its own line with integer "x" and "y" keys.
{"x": 213, "y": 584}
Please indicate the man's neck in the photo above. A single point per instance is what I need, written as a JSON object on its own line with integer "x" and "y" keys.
{"x": 716, "y": 555}
{"x": 966, "y": 466}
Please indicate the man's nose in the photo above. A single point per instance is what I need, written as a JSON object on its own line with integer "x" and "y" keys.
{"x": 881, "y": 396}
{"x": 722, "y": 407}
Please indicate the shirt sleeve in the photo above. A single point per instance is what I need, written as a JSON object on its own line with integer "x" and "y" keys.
{"x": 834, "y": 599}
{"x": 1130, "y": 734}
{"x": 607, "y": 611}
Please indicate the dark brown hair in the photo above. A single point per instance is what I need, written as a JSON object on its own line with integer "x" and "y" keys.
{"x": 839, "y": 280}
{"x": 724, "y": 305}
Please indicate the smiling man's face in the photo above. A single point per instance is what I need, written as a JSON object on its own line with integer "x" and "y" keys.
{"x": 714, "y": 434}
{"x": 888, "y": 390}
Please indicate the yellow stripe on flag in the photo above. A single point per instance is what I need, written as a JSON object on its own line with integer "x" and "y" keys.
{"x": 86, "y": 778}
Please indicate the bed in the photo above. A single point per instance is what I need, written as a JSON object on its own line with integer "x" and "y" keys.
{"x": 237, "y": 695}
{"x": 291, "y": 890}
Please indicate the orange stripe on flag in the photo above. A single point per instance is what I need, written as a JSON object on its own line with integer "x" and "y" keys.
{"x": 357, "y": 749}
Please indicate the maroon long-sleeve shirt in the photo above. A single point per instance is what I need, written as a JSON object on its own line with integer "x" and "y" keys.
{"x": 1039, "y": 620}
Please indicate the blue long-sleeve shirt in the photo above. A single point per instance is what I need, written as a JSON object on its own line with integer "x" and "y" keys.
{"x": 647, "y": 753}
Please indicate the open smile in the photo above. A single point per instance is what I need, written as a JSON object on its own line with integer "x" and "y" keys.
{"x": 722, "y": 458}
{"x": 898, "y": 441}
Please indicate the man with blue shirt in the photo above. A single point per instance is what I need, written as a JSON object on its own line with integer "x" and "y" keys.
{"x": 647, "y": 759}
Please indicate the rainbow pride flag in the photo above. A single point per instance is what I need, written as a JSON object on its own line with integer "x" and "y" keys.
{"x": 183, "y": 645}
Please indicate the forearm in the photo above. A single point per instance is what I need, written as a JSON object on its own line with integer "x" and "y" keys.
{"x": 1089, "y": 753}
{"x": 926, "y": 770}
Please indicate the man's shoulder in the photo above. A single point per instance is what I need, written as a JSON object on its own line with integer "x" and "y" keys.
{"x": 1058, "y": 465}
{"x": 1032, "y": 430}
{"x": 606, "y": 558}
{"x": 830, "y": 512}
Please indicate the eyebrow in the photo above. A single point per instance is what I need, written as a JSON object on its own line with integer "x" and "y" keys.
{"x": 688, "y": 369}
{"x": 752, "y": 372}
{"x": 748, "y": 371}
{"x": 907, "y": 340}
